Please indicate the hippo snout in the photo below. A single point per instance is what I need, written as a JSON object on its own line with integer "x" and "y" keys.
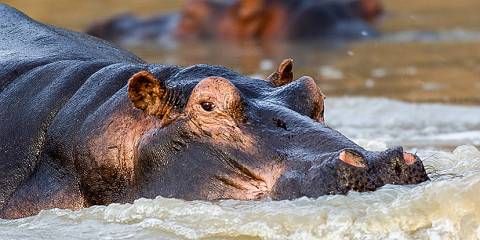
{"x": 395, "y": 166}
{"x": 351, "y": 169}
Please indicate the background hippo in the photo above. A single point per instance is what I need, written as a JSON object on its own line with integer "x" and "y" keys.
{"x": 85, "y": 123}
{"x": 249, "y": 19}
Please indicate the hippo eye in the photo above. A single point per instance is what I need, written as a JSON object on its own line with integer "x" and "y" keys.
{"x": 207, "y": 106}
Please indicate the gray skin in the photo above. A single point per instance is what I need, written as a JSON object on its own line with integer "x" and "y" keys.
{"x": 84, "y": 123}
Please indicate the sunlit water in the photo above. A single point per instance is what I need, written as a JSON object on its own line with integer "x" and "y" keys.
{"x": 445, "y": 208}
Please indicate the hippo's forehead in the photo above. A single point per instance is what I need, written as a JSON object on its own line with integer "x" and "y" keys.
{"x": 186, "y": 79}
{"x": 301, "y": 95}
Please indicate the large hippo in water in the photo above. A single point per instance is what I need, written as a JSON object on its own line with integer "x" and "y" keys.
{"x": 248, "y": 20}
{"x": 85, "y": 123}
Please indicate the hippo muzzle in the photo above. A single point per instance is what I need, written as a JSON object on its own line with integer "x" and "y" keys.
{"x": 351, "y": 169}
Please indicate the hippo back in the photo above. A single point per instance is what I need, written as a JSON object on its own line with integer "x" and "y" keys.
{"x": 41, "y": 68}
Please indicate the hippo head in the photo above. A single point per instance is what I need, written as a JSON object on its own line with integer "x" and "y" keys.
{"x": 233, "y": 20}
{"x": 276, "y": 19}
{"x": 226, "y": 136}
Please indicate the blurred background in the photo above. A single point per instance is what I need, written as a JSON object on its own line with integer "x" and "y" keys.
{"x": 426, "y": 51}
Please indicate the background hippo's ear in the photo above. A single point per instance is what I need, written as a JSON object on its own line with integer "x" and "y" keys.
{"x": 249, "y": 8}
{"x": 283, "y": 75}
{"x": 146, "y": 93}
{"x": 371, "y": 9}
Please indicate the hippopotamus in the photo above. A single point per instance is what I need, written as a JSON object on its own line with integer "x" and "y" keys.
{"x": 248, "y": 20}
{"x": 85, "y": 123}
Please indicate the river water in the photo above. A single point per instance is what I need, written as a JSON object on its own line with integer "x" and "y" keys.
{"x": 417, "y": 85}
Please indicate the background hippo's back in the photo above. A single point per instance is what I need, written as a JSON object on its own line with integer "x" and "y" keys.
{"x": 41, "y": 68}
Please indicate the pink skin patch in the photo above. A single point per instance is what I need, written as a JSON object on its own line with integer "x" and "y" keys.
{"x": 352, "y": 159}
{"x": 409, "y": 158}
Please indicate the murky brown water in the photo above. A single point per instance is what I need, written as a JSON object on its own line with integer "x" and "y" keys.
{"x": 429, "y": 52}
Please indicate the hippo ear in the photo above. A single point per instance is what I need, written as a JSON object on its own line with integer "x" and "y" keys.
{"x": 248, "y": 8}
{"x": 146, "y": 93}
{"x": 283, "y": 75}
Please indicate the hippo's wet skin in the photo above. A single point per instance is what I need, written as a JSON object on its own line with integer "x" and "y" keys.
{"x": 84, "y": 123}
{"x": 248, "y": 20}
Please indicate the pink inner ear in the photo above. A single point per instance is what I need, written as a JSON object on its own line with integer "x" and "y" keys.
{"x": 146, "y": 91}
{"x": 283, "y": 75}
{"x": 351, "y": 159}
{"x": 409, "y": 158}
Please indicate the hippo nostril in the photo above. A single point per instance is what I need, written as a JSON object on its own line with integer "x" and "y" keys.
{"x": 353, "y": 158}
{"x": 409, "y": 158}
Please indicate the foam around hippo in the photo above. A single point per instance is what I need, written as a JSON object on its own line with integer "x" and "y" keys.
{"x": 265, "y": 20}
{"x": 85, "y": 123}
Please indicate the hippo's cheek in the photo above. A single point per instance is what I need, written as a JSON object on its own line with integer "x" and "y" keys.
{"x": 252, "y": 171}
{"x": 108, "y": 168}
{"x": 251, "y": 182}
{"x": 239, "y": 187}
